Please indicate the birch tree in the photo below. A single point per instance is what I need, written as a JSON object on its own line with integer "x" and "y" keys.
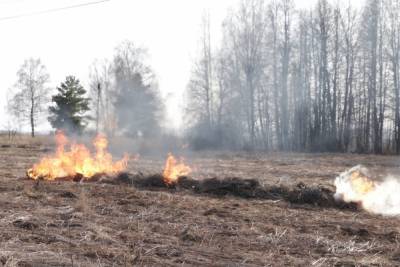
{"x": 31, "y": 94}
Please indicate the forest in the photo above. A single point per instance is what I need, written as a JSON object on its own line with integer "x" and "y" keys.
{"x": 289, "y": 79}
{"x": 282, "y": 78}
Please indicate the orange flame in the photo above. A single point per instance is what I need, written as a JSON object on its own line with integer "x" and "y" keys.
{"x": 355, "y": 185}
{"x": 77, "y": 161}
{"x": 361, "y": 183}
{"x": 173, "y": 170}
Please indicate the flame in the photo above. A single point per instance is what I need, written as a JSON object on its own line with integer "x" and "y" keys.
{"x": 77, "y": 161}
{"x": 173, "y": 170}
{"x": 355, "y": 185}
{"x": 361, "y": 184}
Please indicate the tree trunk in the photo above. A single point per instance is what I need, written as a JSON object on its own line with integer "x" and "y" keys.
{"x": 32, "y": 119}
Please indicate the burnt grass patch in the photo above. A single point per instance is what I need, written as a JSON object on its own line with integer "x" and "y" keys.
{"x": 136, "y": 220}
{"x": 298, "y": 194}
{"x": 238, "y": 187}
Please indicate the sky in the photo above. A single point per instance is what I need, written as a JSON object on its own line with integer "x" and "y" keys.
{"x": 69, "y": 41}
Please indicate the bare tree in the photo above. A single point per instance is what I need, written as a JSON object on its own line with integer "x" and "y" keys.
{"x": 350, "y": 50}
{"x": 30, "y": 95}
{"x": 393, "y": 8}
{"x": 285, "y": 58}
{"x": 102, "y": 92}
{"x": 200, "y": 87}
{"x": 129, "y": 60}
{"x": 273, "y": 13}
{"x": 324, "y": 79}
{"x": 247, "y": 32}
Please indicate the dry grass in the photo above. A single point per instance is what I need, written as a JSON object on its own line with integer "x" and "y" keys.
{"x": 24, "y": 140}
{"x": 99, "y": 224}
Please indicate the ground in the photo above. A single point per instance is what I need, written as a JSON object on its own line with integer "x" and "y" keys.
{"x": 103, "y": 224}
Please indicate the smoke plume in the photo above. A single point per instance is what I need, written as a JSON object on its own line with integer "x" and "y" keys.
{"x": 378, "y": 197}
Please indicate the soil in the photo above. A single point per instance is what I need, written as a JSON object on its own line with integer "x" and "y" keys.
{"x": 235, "y": 209}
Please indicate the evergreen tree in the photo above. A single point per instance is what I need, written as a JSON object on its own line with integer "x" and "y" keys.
{"x": 70, "y": 107}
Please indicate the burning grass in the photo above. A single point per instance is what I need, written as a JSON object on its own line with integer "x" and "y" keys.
{"x": 77, "y": 163}
{"x": 380, "y": 197}
{"x": 174, "y": 169}
{"x": 138, "y": 219}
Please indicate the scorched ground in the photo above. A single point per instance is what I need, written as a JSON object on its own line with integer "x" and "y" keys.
{"x": 103, "y": 224}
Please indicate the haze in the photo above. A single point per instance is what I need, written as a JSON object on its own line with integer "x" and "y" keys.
{"x": 68, "y": 41}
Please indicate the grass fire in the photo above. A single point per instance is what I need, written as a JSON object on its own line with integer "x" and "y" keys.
{"x": 380, "y": 197}
{"x": 273, "y": 201}
{"x": 174, "y": 169}
{"x": 77, "y": 161}
{"x": 200, "y": 133}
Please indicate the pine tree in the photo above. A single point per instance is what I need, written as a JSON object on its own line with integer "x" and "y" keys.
{"x": 68, "y": 114}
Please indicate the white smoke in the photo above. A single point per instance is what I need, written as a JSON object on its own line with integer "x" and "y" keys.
{"x": 381, "y": 197}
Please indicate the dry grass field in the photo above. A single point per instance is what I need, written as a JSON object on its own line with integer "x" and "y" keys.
{"x": 116, "y": 224}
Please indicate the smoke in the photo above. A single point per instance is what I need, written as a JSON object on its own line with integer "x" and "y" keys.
{"x": 137, "y": 107}
{"x": 127, "y": 103}
{"x": 378, "y": 197}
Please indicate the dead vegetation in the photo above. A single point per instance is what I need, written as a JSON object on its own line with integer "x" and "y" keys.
{"x": 278, "y": 211}
{"x": 298, "y": 193}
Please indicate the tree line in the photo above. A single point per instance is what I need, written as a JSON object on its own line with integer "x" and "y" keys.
{"x": 123, "y": 95}
{"x": 289, "y": 79}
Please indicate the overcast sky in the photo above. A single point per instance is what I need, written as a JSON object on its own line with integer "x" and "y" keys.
{"x": 69, "y": 41}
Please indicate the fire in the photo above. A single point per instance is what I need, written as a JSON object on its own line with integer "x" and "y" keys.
{"x": 77, "y": 161}
{"x": 355, "y": 185}
{"x": 361, "y": 183}
{"x": 174, "y": 169}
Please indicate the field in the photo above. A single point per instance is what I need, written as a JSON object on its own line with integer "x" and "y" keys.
{"x": 117, "y": 224}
